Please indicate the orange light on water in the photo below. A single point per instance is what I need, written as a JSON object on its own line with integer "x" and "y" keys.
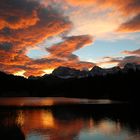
{"x": 48, "y": 119}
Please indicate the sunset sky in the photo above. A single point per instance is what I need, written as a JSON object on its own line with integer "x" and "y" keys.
{"x": 37, "y": 36}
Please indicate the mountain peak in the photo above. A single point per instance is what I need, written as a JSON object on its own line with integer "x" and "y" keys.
{"x": 131, "y": 67}
{"x": 96, "y": 70}
{"x": 66, "y": 72}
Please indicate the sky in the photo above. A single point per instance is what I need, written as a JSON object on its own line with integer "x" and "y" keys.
{"x": 37, "y": 36}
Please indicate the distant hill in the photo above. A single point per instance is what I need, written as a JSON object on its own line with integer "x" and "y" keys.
{"x": 114, "y": 83}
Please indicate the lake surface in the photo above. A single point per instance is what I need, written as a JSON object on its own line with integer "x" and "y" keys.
{"x": 67, "y": 119}
{"x": 49, "y": 101}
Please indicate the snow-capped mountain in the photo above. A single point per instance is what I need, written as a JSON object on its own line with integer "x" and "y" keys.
{"x": 65, "y": 72}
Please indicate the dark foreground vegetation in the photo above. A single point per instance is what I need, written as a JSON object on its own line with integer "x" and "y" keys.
{"x": 118, "y": 86}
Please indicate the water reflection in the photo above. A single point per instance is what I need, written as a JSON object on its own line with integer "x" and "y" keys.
{"x": 67, "y": 123}
{"x": 49, "y": 101}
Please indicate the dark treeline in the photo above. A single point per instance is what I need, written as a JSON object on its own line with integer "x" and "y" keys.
{"x": 119, "y": 86}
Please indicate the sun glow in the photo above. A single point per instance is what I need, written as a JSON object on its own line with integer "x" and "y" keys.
{"x": 107, "y": 64}
{"x": 20, "y": 73}
{"x": 48, "y": 71}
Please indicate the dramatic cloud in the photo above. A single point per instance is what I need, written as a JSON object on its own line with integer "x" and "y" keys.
{"x": 26, "y": 24}
{"x": 71, "y": 44}
{"x": 18, "y": 15}
{"x": 133, "y": 25}
{"x": 38, "y": 67}
{"x": 5, "y": 46}
{"x": 128, "y": 10}
{"x": 61, "y": 54}
{"x": 126, "y": 7}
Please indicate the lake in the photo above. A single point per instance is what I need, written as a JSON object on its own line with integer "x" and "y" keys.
{"x": 67, "y": 119}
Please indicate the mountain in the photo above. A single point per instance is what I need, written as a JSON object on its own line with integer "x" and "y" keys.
{"x": 65, "y": 72}
{"x": 97, "y": 71}
{"x": 113, "y": 83}
{"x": 131, "y": 67}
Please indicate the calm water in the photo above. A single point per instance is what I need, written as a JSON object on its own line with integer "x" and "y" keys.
{"x": 51, "y": 101}
{"x": 67, "y": 119}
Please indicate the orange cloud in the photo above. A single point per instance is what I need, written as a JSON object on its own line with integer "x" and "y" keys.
{"x": 81, "y": 2}
{"x": 126, "y": 7}
{"x": 18, "y": 15}
{"x": 129, "y": 10}
{"x": 16, "y": 39}
{"x": 23, "y": 25}
{"x": 37, "y": 67}
{"x": 71, "y": 44}
{"x": 133, "y": 25}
